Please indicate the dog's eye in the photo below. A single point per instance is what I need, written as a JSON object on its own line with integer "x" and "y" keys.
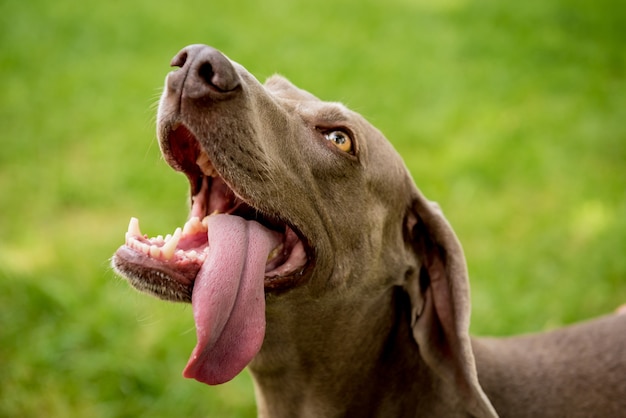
{"x": 340, "y": 139}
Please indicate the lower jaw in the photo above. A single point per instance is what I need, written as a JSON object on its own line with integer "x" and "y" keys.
{"x": 176, "y": 285}
{"x": 150, "y": 276}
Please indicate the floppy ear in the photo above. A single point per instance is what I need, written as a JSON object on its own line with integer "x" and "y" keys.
{"x": 440, "y": 303}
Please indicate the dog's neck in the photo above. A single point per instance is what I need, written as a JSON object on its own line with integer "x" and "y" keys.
{"x": 349, "y": 353}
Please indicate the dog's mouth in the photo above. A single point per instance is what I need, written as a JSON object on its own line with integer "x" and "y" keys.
{"x": 181, "y": 254}
{"x": 224, "y": 259}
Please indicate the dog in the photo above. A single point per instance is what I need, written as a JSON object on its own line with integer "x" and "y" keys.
{"x": 311, "y": 257}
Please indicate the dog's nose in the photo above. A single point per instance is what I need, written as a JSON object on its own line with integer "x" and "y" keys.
{"x": 204, "y": 71}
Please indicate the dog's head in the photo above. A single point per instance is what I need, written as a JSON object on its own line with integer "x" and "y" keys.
{"x": 291, "y": 195}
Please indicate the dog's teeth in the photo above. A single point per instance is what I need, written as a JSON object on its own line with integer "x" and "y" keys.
{"x": 168, "y": 249}
{"x": 208, "y": 170}
{"x": 187, "y": 226}
{"x": 202, "y": 158}
{"x": 204, "y": 162}
{"x": 154, "y": 251}
{"x": 275, "y": 252}
{"x": 192, "y": 226}
{"x": 133, "y": 228}
{"x": 144, "y": 248}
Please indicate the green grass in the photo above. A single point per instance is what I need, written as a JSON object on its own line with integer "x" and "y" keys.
{"x": 512, "y": 116}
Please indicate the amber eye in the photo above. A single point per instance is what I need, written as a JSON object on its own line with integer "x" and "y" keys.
{"x": 341, "y": 140}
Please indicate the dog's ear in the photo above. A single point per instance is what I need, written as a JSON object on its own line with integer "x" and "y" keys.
{"x": 440, "y": 302}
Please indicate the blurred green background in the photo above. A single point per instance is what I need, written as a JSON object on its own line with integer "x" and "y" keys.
{"x": 512, "y": 115}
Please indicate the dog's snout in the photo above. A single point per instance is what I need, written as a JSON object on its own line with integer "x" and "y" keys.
{"x": 204, "y": 72}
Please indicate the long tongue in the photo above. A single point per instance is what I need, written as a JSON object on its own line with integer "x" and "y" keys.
{"x": 228, "y": 299}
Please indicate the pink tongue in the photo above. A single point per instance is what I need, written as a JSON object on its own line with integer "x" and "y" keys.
{"x": 229, "y": 300}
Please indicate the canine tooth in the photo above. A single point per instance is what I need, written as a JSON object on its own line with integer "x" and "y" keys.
{"x": 187, "y": 227}
{"x": 168, "y": 249}
{"x": 193, "y": 225}
{"x": 133, "y": 228}
{"x": 192, "y": 255}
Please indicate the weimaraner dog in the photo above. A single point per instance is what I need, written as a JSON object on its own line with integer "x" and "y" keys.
{"x": 311, "y": 257}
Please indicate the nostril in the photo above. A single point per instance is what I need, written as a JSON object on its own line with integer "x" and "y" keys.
{"x": 179, "y": 60}
{"x": 219, "y": 75}
{"x": 206, "y": 72}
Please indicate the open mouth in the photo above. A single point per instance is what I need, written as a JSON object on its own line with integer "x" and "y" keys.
{"x": 167, "y": 266}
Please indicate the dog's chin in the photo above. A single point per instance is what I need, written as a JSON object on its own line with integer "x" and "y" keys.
{"x": 167, "y": 266}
